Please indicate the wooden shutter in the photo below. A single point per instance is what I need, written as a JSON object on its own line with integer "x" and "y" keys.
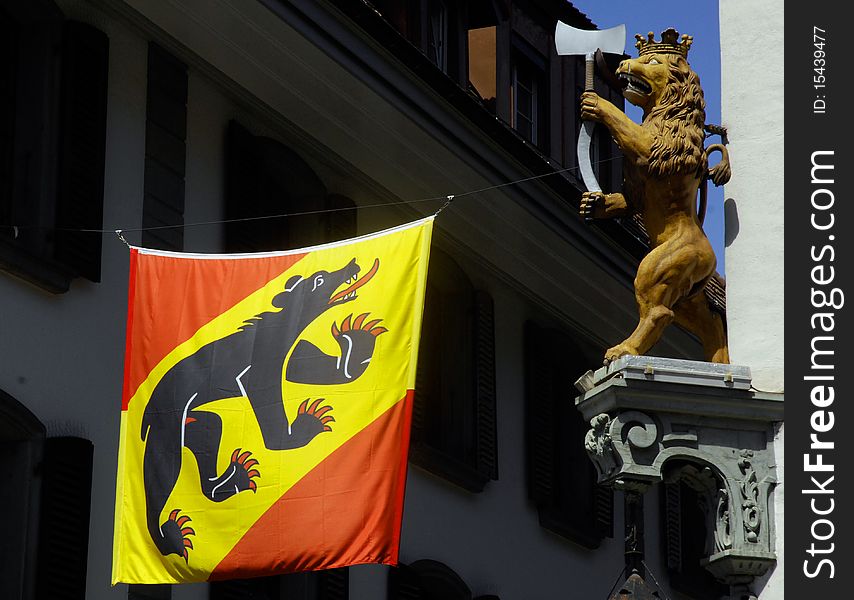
{"x": 8, "y": 89}
{"x": 673, "y": 524}
{"x": 333, "y": 584}
{"x": 539, "y": 416}
{"x": 561, "y": 478}
{"x": 404, "y": 584}
{"x": 604, "y": 506}
{"x": 487, "y": 434}
{"x": 242, "y": 188}
{"x": 64, "y": 518}
{"x": 82, "y": 146}
{"x": 165, "y": 150}
{"x": 160, "y": 591}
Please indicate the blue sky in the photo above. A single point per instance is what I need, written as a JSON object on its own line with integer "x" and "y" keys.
{"x": 699, "y": 19}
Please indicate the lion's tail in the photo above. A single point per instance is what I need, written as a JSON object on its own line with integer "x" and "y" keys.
{"x": 719, "y": 174}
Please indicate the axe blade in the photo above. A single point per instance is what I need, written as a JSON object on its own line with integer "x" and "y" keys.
{"x": 569, "y": 40}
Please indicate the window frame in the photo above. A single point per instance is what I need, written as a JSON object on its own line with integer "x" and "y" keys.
{"x": 523, "y": 57}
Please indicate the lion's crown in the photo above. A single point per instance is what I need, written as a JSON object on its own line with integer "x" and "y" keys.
{"x": 667, "y": 45}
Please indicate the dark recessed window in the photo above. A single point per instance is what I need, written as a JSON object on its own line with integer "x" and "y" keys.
{"x": 332, "y": 584}
{"x": 265, "y": 178}
{"x": 684, "y": 516}
{"x": 437, "y": 37}
{"x": 53, "y": 106}
{"x": 428, "y": 580}
{"x": 482, "y": 27}
{"x": 45, "y": 508}
{"x": 529, "y": 95}
{"x": 561, "y": 478}
{"x": 454, "y": 421}
{"x": 482, "y": 64}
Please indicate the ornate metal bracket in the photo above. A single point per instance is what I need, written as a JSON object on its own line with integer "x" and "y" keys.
{"x": 655, "y": 420}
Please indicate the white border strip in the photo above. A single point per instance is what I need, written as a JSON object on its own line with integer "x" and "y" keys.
{"x": 237, "y": 256}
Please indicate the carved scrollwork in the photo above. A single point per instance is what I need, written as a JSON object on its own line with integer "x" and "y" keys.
{"x": 723, "y": 531}
{"x": 642, "y": 431}
{"x": 713, "y": 500}
{"x": 751, "y": 512}
{"x": 600, "y": 446}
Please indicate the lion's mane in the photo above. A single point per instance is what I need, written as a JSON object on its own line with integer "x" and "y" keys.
{"x": 677, "y": 122}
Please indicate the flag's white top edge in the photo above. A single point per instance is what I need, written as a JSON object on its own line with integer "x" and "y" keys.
{"x": 362, "y": 238}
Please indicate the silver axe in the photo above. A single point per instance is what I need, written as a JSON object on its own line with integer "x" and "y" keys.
{"x": 572, "y": 41}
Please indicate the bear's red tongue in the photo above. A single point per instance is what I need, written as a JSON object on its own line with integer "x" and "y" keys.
{"x": 358, "y": 283}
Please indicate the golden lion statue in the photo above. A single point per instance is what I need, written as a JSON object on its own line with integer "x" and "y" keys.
{"x": 664, "y": 165}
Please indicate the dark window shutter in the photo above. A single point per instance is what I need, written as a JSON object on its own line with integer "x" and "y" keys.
{"x": 160, "y": 591}
{"x": 242, "y": 189}
{"x": 8, "y": 68}
{"x": 274, "y": 587}
{"x": 80, "y": 189}
{"x": 404, "y": 584}
{"x": 673, "y": 525}
{"x": 265, "y": 178}
{"x": 237, "y": 589}
{"x": 604, "y": 505}
{"x": 487, "y": 434}
{"x": 423, "y": 377}
{"x": 333, "y": 584}
{"x": 539, "y": 416}
{"x": 561, "y": 478}
{"x": 64, "y": 519}
{"x": 684, "y": 543}
{"x": 165, "y": 150}
{"x": 454, "y": 418}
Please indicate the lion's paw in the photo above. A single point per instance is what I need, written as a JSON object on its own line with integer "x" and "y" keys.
{"x": 617, "y": 351}
{"x": 175, "y": 540}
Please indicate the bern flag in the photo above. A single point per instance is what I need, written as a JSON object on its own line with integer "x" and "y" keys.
{"x": 266, "y": 408}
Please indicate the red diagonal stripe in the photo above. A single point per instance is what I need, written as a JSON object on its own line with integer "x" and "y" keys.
{"x": 345, "y": 511}
{"x": 164, "y": 311}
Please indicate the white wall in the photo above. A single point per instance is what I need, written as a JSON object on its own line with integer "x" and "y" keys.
{"x": 752, "y": 111}
{"x": 752, "y": 68}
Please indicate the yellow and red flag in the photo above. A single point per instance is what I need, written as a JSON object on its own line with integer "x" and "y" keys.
{"x": 266, "y": 408}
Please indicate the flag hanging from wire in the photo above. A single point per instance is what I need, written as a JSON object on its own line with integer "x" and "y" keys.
{"x": 266, "y": 408}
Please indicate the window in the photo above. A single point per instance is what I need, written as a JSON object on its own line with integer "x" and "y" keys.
{"x": 53, "y": 98}
{"x": 332, "y": 584}
{"x": 561, "y": 478}
{"x": 684, "y": 506}
{"x": 165, "y": 151}
{"x": 482, "y": 64}
{"x": 266, "y": 178}
{"x": 428, "y": 580}
{"x": 437, "y": 33}
{"x": 45, "y": 505}
{"x": 482, "y": 24}
{"x": 529, "y": 95}
{"x": 454, "y": 419}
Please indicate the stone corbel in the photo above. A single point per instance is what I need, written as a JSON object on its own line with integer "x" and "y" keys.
{"x": 717, "y": 439}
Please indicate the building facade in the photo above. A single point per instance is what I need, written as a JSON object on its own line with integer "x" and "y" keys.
{"x": 165, "y": 119}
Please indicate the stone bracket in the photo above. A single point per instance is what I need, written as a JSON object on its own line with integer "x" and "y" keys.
{"x": 692, "y": 424}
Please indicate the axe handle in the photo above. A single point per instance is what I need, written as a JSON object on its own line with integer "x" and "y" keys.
{"x": 588, "y": 72}
{"x": 586, "y": 136}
